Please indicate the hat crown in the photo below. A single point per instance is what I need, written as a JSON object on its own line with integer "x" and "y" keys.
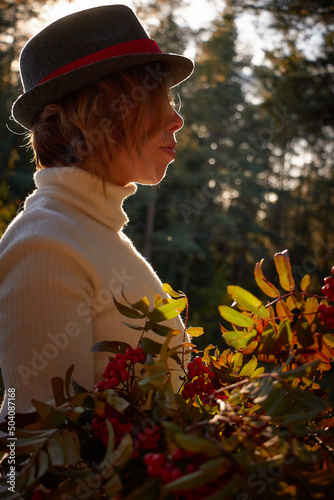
{"x": 84, "y": 47}
{"x": 74, "y": 37}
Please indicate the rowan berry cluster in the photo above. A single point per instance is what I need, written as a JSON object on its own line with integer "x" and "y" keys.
{"x": 326, "y": 315}
{"x": 326, "y": 312}
{"x": 119, "y": 425}
{"x": 143, "y": 438}
{"x": 117, "y": 370}
{"x": 328, "y": 288}
{"x": 199, "y": 380}
{"x": 169, "y": 467}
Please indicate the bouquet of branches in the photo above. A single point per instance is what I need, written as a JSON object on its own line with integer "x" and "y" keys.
{"x": 251, "y": 420}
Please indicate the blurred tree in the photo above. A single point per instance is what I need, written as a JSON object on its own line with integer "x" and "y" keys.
{"x": 15, "y": 162}
{"x": 299, "y": 82}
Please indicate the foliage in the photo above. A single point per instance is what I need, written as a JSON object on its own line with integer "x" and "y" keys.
{"x": 247, "y": 421}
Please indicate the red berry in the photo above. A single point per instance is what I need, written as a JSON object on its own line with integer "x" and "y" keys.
{"x": 115, "y": 381}
{"x": 330, "y": 322}
{"x": 197, "y": 360}
{"x": 178, "y": 454}
{"x": 176, "y": 474}
{"x": 190, "y": 468}
{"x": 148, "y": 458}
{"x": 153, "y": 470}
{"x": 158, "y": 459}
{"x": 322, "y": 307}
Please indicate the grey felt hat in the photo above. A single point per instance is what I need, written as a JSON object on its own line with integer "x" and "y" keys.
{"x": 83, "y": 47}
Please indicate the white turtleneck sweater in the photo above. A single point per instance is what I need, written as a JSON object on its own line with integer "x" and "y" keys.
{"x": 62, "y": 260}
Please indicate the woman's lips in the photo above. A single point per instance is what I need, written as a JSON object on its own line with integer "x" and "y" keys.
{"x": 170, "y": 149}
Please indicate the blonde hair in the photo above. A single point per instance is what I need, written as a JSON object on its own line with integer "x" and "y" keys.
{"x": 88, "y": 126}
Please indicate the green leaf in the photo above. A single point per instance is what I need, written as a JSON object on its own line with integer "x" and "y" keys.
{"x": 239, "y": 340}
{"x": 168, "y": 310}
{"x": 71, "y": 444}
{"x": 247, "y": 301}
{"x": 229, "y": 490}
{"x": 265, "y": 285}
{"x": 119, "y": 403}
{"x": 128, "y": 311}
{"x": 329, "y": 338}
{"x": 237, "y": 361}
{"x": 299, "y": 418}
{"x": 282, "y": 263}
{"x": 43, "y": 409}
{"x": 249, "y": 368}
{"x": 267, "y": 341}
{"x": 235, "y": 317}
{"x": 190, "y": 442}
{"x": 54, "y": 419}
{"x": 113, "y": 346}
{"x": 284, "y": 334}
{"x": 189, "y": 481}
{"x": 43, "y": 464}
{"x": 110, "y": 447}
{"x": 148, "y": 491}
{"x": 160, "y": 329}
{"x": 55, "y": 451}
{"x": 150, "y": 346}
{"x": 113, "y": 486}
{"x": 306, "y": 369}
{"x": 122, "y": 454}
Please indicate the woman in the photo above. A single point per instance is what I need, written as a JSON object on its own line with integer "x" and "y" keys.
{"x": 97, "y": 102}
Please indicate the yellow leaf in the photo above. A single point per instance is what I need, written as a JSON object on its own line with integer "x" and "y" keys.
{"x": 311, "y": 309}
{"x": 282, "y": 263}
{"x": 168, "y": 289}
{"x": 194, "y": 331}
{"x": 265, "y": 285}
{"x": 305, "y": 282}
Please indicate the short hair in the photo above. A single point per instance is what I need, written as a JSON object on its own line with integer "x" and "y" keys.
{"x": 88, "y": 126}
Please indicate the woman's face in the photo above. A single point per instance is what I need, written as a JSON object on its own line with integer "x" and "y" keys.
{"x": 150, "y": 166}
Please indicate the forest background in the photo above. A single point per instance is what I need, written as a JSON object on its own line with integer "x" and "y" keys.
{"x": 253, "y": 173}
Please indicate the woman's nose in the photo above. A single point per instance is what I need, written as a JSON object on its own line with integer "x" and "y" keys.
{"x": 176, "y": 122}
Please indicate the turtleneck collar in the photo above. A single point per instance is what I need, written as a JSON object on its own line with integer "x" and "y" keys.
{"x": 86, "y": 192}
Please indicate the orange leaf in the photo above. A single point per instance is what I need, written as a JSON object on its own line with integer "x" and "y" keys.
{"x": 265, "y": 285}
{"x": 283, "y": 311}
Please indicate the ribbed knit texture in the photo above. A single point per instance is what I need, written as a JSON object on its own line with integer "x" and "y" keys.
{"x": 62, "y": 260}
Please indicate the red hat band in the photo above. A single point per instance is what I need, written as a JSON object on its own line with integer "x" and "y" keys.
{"x": 140, "y": 46}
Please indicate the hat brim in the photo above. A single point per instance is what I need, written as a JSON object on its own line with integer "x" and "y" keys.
{"x": 30, "y": 104}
